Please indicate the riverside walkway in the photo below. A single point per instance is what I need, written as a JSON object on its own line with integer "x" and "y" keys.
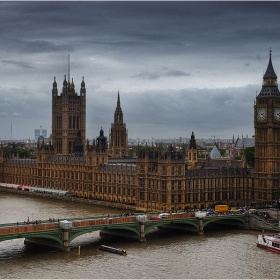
{"x": 60, "y": 234}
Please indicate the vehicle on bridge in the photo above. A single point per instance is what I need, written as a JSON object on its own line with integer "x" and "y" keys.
{"x": 161, "y": 215}
{"x": 209, "y": 212}
{"x": 221, "y": 208}
{"x": 269, "y": 241}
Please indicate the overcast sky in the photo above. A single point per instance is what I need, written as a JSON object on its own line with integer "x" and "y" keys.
{"x": 179, "y": 66}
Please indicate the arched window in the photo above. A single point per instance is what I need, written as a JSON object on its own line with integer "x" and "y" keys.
{"x": 74, "y": 122}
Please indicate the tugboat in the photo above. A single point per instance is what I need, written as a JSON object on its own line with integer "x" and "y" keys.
{"x": 112, "y": 250}
{"x": 269, "y": 241}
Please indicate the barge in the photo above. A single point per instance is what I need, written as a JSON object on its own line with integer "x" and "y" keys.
{"x": 112, "y": 250}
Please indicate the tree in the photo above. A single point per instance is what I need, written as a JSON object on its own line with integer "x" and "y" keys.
{"x": 7, "y": 151}
{"x": 22, "y": 152}
{"x": 250, "y": 156}
{"x": 222, "y": 152}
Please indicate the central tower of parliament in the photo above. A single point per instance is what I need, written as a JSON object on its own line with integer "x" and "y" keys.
{"x": 155, "y": 178}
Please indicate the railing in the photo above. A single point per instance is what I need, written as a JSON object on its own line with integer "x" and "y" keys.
{"x": 104, "y": 221}
{"x": 28, "y": 228}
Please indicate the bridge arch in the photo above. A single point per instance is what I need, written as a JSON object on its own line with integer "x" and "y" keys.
{"x": 177, "y": 223}
{"x": 78, "y": 231}
{"x": 234, "y": 220}
{"x": 45, "y": 238}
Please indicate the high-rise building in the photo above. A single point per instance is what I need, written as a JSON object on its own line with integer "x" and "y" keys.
{"x": 40, "y": 132}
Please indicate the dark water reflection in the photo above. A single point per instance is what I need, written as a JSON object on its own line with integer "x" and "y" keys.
{"x": 219, "y": 254}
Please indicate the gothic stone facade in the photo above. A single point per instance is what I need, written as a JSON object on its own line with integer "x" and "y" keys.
{"x": 267, "y": 138}
{"x": 155, "y": 179}
{"x": 68, "y": 116}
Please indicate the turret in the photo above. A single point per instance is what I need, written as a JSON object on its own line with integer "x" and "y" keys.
{"x": 192, "y": 152}
{"x": 54, "y": 90}
{"x": 64, "y": 89}
{"x": 83, "y": 88}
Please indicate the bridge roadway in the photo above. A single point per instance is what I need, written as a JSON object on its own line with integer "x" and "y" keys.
{"x": 59, "y": 235}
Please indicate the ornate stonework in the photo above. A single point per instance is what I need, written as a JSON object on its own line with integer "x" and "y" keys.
{"x": 267, "y": 138}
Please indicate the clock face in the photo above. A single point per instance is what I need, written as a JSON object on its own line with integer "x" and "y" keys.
{"x": 277, "y": 114}
{"x": 261, "y": 114}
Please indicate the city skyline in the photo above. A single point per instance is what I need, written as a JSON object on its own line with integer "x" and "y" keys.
{"x": 179, "y": 66}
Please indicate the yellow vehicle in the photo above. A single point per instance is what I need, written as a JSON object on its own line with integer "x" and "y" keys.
{"x": 221, "y": 208}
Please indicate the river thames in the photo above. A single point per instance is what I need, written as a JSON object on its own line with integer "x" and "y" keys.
{"x": 218, "y": 254}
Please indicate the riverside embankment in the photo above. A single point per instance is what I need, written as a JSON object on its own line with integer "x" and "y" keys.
{"x": 109, "y": 204}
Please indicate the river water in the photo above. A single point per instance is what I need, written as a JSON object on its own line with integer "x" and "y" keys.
{"x": 218, "y": 254}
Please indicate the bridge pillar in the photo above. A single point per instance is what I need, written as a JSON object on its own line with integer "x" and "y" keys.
{"x": 66, "y": 247}
{"x": 142, "y": 233}
{"x": 247, "y": 221}
{"x": 201, "y": 226}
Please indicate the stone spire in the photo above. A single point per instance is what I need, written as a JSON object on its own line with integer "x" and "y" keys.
{"x": 269, "y": 86}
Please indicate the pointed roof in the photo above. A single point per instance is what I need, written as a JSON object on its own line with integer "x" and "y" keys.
{"x": 270, "y": 85}
{"x": 118, "y": 102}
{"x": 215, "y": 152}
{"x": 192, "y": 142}
{"x": 270, "y": 73}
{"x": 245, "y": 142}
{"x": 118, "y": 118}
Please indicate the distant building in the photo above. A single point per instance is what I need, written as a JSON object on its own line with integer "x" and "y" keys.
{"x": 241, "y": 144}
{"x": 40, "y": 132}
{"x": 215, "y": 152}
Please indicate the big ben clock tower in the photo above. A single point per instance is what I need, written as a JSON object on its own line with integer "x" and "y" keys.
{"x": 267, "y": 138}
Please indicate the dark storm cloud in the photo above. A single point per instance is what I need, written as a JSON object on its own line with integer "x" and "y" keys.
{"x": 177, "y": 64}
{"x": 119, "y": 24}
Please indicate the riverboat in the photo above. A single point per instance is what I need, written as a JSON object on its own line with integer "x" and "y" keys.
{"x": 112, "y": 250}
{"x": 270, "y": 241}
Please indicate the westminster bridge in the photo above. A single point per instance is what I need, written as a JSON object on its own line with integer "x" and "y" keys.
{"x": 60, "y": 234}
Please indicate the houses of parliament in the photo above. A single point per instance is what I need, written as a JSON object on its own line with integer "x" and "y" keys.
{"x": 154, "y": 178}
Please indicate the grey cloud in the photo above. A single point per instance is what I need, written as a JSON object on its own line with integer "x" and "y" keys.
{"x": 21, "y": 64}
{"x": 160, "y": 73}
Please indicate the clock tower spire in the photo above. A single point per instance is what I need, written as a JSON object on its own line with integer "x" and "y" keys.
{"x": 267, "y": 138}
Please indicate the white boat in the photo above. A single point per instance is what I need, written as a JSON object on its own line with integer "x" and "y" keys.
{"x": 269, "y": 241}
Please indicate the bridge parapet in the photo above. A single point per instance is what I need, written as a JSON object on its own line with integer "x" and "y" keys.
{"x": 28, "y": 228}
{"x": 104, "y": 221}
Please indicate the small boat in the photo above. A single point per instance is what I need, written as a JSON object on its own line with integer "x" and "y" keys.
{"x": 112, "y": 250}
{"x": 269, "y": 241}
